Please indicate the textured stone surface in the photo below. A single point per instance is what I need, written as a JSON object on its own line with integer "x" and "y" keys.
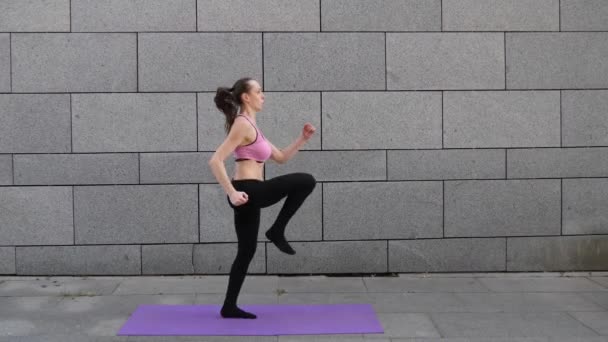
{"x": 321, "y": 284}
{"x": 85, "y": 318}
{"x": 285, "y": 114}
{"x": 134, "y": 122}
{"x": 218, "y": 258}
{"x": 5, "y": 63}
{"x": 193, "y": 285}
{"x": 197, "y": 61}
{"x": 502, "y": 208}
{"x": 510, "y": 324}
{"x": 557, "y": 60}
{"x": 357, "y": 120}
{"x": 335, "y": 165}
{"x": 395, "y": 210}
{"x": 216, "y": 217}
{"x": 36, "y": 216}
{"x": 6, "y": 169}
{"x": 330, "y": 257}
{"x": 79, "y": 260}
{"x": 479, "y": 302}
{"x": 263, "y": 15}
{"x": 34, "y": 123}
{"x": 433, "y": 61}
{"x": 584, "y": 119}
{"x": 501, "y": 119}
{"x": 135, "y": 214}
{"x": 381, "y": 15}
{"x": 585, "y": 206}
{"x": 281, "y": 119}
{"x": 133, "y": 15}
{"x": 7, "y": 260}
{"x": 422, "y": 283}
{"x": 446, "y": 164}
{"x": 70, "y": 62}
{"x": 324, "y": 61}
{"x": 447, "y": 255}
{"x": 557, "y": 163}
{"x": 576, "y": 253}
{"x": 211, "y": 132}
{"x": 44, "y": 169}
{"x": 167, "y": 259}
{"x": 500, "y": 15}
{"x": 588, "y": 15}
{"x": 598, "y": 321}
{"x": 40, "y": 291}
{"x": 444, "y": 129}
{"x": 189, "y": 167}
{"x": 534, "y": 283}
{"x": 35, "y": 15}
{"x": 401, "y": 325}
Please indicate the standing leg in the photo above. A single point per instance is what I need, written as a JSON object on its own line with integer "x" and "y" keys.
{"x": 247, "y": 222}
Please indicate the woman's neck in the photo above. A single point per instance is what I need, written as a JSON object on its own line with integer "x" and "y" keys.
{"x": 249, "y": 113}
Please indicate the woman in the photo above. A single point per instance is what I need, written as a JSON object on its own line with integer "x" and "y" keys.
{"x": 247, "y": 192}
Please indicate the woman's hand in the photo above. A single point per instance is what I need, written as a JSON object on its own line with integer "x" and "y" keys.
{"x": 238, "y": 198}
{"x": 308, "y": 131}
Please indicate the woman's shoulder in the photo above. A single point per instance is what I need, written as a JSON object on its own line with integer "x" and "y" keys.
{"x": 241, "y": 126}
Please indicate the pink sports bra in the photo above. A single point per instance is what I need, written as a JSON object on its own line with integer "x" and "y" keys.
{"x": 259, "y": 150}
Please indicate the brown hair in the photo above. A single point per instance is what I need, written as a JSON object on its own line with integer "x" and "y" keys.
{"x": 228, "y": 100}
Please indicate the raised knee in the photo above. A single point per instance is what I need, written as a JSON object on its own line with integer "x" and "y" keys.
{"x": 308, "y": 181}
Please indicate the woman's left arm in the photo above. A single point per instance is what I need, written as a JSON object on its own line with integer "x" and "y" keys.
{"x": 283, "y": 155}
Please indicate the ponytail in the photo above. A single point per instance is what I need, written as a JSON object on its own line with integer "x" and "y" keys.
{"x": 225, "y": 101}
{"x": 228, "y": 100}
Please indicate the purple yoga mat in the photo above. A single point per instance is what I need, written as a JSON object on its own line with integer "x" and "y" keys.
{"x": 150, "y": 320}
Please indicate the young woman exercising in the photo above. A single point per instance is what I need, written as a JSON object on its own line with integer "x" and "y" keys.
{"x": 247, "y": 192}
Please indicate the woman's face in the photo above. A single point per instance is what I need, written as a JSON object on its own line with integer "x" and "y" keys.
{"x": 255, "y": 96}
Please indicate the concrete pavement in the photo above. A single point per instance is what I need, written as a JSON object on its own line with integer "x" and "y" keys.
{"x": 519, "y": 307}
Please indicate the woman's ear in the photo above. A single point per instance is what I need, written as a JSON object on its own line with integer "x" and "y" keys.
{"x": 245, "y": 97}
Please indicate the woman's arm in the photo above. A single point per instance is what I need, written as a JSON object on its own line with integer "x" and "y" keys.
{"x": 282, "y": 156}
{"x": 235, "y": 137}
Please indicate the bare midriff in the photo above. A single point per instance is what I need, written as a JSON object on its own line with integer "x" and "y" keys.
{"x": 248, "y": 169}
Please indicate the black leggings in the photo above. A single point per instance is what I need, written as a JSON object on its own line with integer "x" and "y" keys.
{"x": 295, "y": 186}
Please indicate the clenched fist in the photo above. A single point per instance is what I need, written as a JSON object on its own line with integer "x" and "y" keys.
{"x": 238, "y": 198}
{"x": 308, "y": 131}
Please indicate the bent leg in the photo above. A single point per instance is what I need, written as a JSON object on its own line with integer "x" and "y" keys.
{"x": 297, "y": 187}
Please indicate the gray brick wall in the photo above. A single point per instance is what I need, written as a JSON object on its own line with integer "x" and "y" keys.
{"x": 453, "y": 135}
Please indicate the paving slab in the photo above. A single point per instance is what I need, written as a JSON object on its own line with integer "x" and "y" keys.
{"x": 526, "y": 302}
{"x": 600, "y": 298}
{"x": 406, "y": 325}
{"x": 321, "y": 284}
{"x": 600, "y": 280}
{"x": 84, "y": 315}
{"x": 244, "y": 298}
{"x": 449, "y": 307}
{"x": 58, "y": 286}
{"x": 540, "y": 284}
{"x": 416, "y": 284}
{"x": 598, "y": 321}
{"x": 326, "y": 298}
{"x": 11, "y": 305}
{"x": 510, "y": 325}
{"x": 209, "y": 284}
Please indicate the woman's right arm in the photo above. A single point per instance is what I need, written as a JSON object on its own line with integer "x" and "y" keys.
{"x": 235, "y": 138}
